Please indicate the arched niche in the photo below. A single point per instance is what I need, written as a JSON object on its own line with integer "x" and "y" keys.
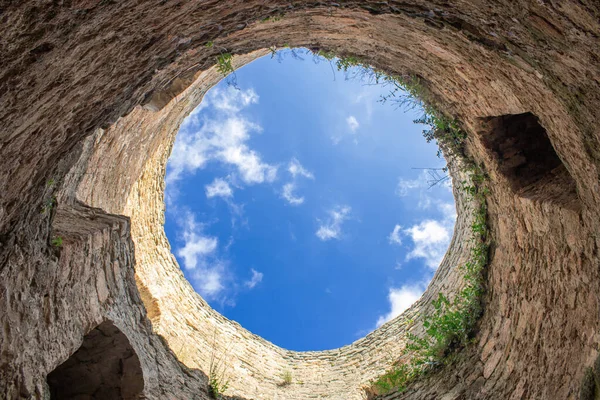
{"x": 105, "y": 367}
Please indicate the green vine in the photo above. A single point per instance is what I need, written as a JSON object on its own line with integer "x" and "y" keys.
{"x": 452, "y": 323}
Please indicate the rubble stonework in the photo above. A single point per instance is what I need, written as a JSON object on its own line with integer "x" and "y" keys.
{"x": 92, "y": 94}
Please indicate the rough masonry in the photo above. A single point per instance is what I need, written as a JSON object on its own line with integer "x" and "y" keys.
{"x": 92, "y": 93}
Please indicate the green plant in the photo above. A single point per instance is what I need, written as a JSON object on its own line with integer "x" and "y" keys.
{"x": 452, "y": 323}
{"x": 286, "y": 378}
{"x": 224, "y": 64}
{"x": 218, "y": 380}
{"x": 217, "y": 388}
{"x": 345, "y": 63}
{"x": 444, "y": 130}
{"x": 217, "y": 383}
{"x": 272, "y": 18}
{"x": 209, "y": 44}
{"x": 57, "y": 241}
{"x": 409, "y": 91}
{"x": 328, "y": 55}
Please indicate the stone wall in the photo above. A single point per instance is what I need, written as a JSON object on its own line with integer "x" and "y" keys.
{"x": 196, "y": 332}
{"x": 92, "y": 93}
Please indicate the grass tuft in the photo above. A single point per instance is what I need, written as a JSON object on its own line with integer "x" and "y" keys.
{"x": 57, "y": 241}
{"x": 286, "y": 378}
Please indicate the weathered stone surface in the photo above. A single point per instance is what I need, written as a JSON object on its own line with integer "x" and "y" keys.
{"x": 92, "y": 93}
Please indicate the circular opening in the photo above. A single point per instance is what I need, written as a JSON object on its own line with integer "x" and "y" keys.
{"x": 302, "y": 208}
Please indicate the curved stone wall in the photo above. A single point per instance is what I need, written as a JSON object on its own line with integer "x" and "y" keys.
{"x": 196, "y": 332}
{"x": 69, "y": 71}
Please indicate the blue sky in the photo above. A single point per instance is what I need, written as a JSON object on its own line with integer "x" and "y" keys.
{"x": 293, "y": 206}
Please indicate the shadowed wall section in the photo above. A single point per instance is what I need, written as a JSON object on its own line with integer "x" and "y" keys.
{"x": 93, "y": 92}
{"x": 105, "y": 367}
{"x": 524, "y": 155}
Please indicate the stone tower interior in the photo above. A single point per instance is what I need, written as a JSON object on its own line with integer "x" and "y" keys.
{"x": 92, "y": 93}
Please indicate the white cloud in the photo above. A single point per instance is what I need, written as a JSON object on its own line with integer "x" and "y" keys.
{"x": 196, "y": 247}
{"x": 289, "y": 196}
{"x": 232, "y": 100}
{"x": 189, "y": 154}
{"x": 394, "y": 237}
{"x": 255, "y": 279}
{"x": 352, "y": 123}
{"x": 209, "y": 282}
{"x": 220, "y": 139}
{"x": 352, "y": 128}
{"x": 425, "y": 201}
{"x": 449, "y": 211}
{"x": 327, "y": 232}
{"x": 429, "y": 241}
{"x": 431, "y": 238}
{"x": 332, "y": 228}
{"x": 296, "y": 169}
{"x": 218, "y": 188}
{"x": 207, "y": 273}
{"x": 400, "y": 300}
{"x": 248, "y": 162}
{"x": 405, "y": 186}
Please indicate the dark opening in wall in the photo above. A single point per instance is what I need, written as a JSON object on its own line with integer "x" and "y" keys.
{"x": 526, "y": 157}
{"x": 105, "y": 367}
